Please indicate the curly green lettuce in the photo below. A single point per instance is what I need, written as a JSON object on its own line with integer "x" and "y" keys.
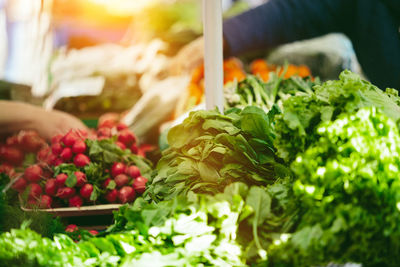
{"x": 348, "y": 188}
{"x": 301, "y": 114}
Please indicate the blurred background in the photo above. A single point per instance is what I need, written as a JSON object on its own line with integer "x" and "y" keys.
{"x": 91, "y": 57}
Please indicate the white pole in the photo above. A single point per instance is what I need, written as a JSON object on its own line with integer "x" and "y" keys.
{"x": 213, "y": 58}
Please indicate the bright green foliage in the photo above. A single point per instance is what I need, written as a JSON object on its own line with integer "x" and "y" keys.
{"x": 295, "y": 127}
{"x": 348, "y": 189}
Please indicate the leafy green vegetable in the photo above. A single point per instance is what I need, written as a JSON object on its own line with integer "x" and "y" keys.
{"x": 348, "y": 189}
{"x": 209, "y": 151}
{"x": 296, "y": 127}
{"x": 254, "y": 92}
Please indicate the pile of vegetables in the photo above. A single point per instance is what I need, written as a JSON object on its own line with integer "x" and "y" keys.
{"x": 209, "y": 150}
{"x": 82, "y": 168}
{"x": 219, "y": 230}
{"x": 307, "y": 176}
{"x": 242, "y": 90}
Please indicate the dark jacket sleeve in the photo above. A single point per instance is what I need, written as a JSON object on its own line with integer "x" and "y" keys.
{"x": 283, "y": 21}
{"x": 371, "y": 25}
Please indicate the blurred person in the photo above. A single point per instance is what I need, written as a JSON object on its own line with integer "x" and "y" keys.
{"x": 371, "y": 25}
{"x": 16, "y": 116}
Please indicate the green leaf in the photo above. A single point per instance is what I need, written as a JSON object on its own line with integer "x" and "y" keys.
{"x": 111, "y": 185}
{"x": 95, "y": 148}
{"x": 104, "y": 245}
{"x": 67, "y": 168}
{"x": 71, "y": 180}
{"x": 30, "y": 159}
{"x": 95, "y": 194}
{"x": 208, "y": 173}
{"x": 110, "y": 157}
{"x": 260, "y": 201}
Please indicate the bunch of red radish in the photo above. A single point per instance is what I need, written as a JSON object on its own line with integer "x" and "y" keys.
{"x": 38, "y": 184}
{"x": 42, "y": 188}
{"x": 127, "y": 183}
{"x": 16, "y": 147}
{"x": 14, "y": 153}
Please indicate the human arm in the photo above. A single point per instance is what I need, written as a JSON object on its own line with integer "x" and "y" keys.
{"x": 282, "y": 21}
{"x": 16, "y": 116}
{"x": 268, "y": 25}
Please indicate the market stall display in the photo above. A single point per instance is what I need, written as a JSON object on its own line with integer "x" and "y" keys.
{"x": 278, "y": 168}
{"x": 306, "y": 177}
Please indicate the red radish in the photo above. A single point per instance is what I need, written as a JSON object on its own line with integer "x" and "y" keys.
{"x": 45, "y": 202}
{"x": 33, "y": 173}
{"x": 66, "y": 154}
{"x": 133, "y": 171}
{"x": 75, "y": 201}
{"x": 31, "y": 141}
{"x": 57, "y": 162}
{"x": 60, "y": 179}
{"x": 106, "y": 124}
{"x": 56, "y": 148}
{"x": 93, "y": 232}
{"x": 80, "y": 178}
{"x": 134, "y": 149}
{"x": 70, "y": 138}
{"x": 20, "y": 185}
{"x": 81, "y": 160}
{"x": 86, "y": 191}
{"x": 117, "y": 168}
{"x": 111, "y": 196}
{"x": 51, "y": 159}
{"x": 106, "y": 182}
{"x": 8, "y": 170}
{"x": 34, "y": 190}
{"x": 139, "y": 184}
{"x": 121, "y": 145}
{"x": 126, "y": 194}
{"x": 5, "y": 168}
{"x": 82, "y": 133}
{"x": 65, "y": 192}
{"x": 51, "y": 187}
{"x": 121, "y": 126}
{"x": 12, "y": 174}
{"x": 43, "y": 154}
{"x": 56, "y": 139}
{"x": 126, "y": 137}
{"x": 121, "y": 180}
{"x": 79, "y": 147}
{"x": 13, "y": 140}
{"x": 104, "y": 132}
{"x": 11, "y": 155}
{"x": 71, "y": 228}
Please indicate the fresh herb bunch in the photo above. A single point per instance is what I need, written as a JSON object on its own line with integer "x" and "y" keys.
{"x": 296, "y": 126}
{"x": 252, "y": 91}
{"x": 209, "y": 151}
{"x": 348, "y": 190}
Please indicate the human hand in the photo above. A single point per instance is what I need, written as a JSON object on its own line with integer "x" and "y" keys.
{"x": 51, "y": 123}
